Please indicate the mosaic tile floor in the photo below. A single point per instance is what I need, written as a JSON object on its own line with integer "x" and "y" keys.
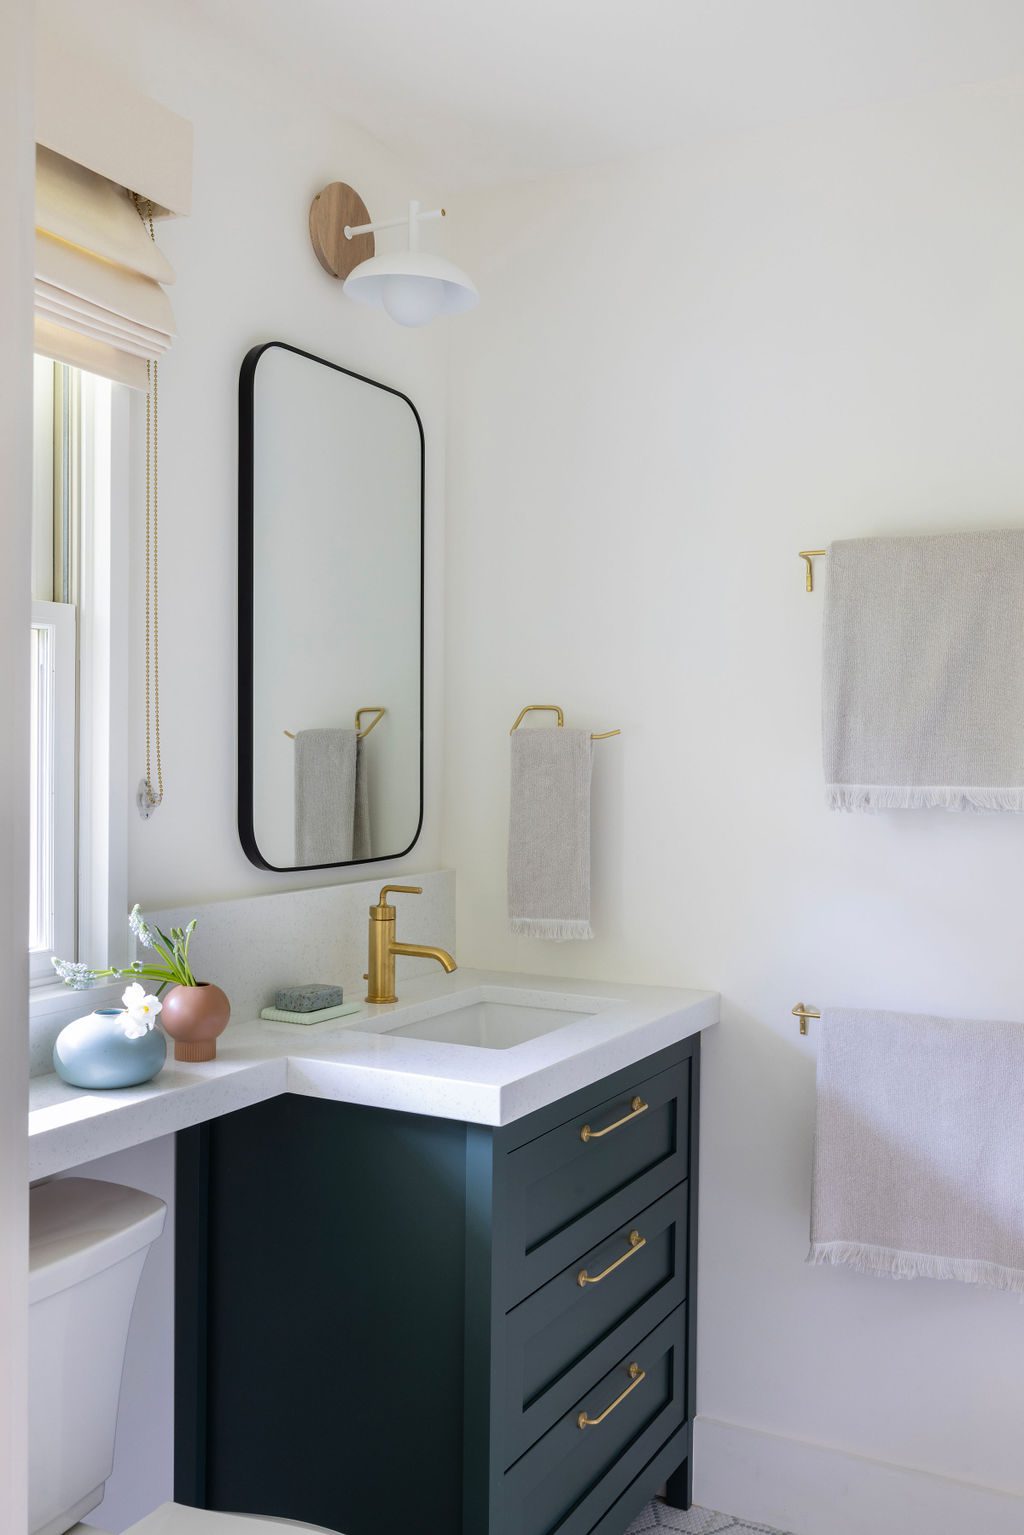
{"x": 695, "y": 1521}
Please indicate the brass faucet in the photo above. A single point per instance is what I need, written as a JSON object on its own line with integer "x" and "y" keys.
{"x": 384, "y": 946}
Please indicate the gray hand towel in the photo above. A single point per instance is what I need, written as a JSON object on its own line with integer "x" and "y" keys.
{"x": 919, "y": 1148}
{"x": 923, "y": 673}
{"x": 549, "y": 834}
{"x": 331, "y": 803}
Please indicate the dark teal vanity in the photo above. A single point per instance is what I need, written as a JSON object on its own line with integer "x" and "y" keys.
{"x": 388, "y": 1322}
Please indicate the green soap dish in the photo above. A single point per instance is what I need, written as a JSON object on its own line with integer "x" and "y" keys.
{"x": 321, "y": 1015}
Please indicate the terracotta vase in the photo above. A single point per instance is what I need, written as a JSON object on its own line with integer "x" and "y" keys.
{"x": 194, "y": 1017}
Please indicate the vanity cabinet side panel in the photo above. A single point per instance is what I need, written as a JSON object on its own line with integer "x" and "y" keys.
{"x": 484, "y": 1362}
{"x": 191, "y": 1251}
{"x": 679, "y": 1488}
{"x": 335, "y": 1307}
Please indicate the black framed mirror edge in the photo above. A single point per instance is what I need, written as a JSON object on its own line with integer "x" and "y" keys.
{"x": 246, "y": 613}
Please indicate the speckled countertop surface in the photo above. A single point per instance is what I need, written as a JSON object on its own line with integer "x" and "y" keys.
{"x": 355, "y": 1060}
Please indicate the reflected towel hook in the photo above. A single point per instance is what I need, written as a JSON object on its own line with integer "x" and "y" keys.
{"x": 361, "y": 734}
{"x": 559, "y": 712}
{"x": 803, "y": 1013}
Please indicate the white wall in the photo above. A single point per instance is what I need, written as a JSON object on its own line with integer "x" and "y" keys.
{"x": 684, "y": 370}
{"x": 15, "y": 520}
{"x": 246, "y": 273}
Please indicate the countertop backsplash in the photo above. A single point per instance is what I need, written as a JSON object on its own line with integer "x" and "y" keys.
{"x": 250, "y": 947}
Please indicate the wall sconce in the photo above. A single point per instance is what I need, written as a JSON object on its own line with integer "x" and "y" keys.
{"x": 414, "y": 286}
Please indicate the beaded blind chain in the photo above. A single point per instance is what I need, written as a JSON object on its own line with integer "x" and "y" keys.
{"x": 152, "y": 796}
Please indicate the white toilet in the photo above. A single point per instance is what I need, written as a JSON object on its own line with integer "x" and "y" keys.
{"x": 89, "y": 1242}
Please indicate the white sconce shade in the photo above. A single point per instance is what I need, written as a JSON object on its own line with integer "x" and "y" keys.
{"x": 412, "y": 286}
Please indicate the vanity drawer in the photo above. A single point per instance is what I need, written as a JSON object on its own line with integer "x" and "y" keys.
{"x": 567, "y": 1332}
{"x": 568, "y": 1188}
{"x": 571, "y": 1476}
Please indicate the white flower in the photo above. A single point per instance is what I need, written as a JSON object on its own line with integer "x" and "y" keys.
{"x": 141, "y": 1010}
{"x": 140, "y": 927}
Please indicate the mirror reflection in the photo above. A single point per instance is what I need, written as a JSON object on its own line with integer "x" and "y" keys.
{"x": 331, "y": 525}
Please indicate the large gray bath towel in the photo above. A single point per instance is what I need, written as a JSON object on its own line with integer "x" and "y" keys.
{"x": 923, "y": 673}
{"x": 332, "y": 820}
{"x": 919, "y": 1147}
{"x": 549, "y": 834}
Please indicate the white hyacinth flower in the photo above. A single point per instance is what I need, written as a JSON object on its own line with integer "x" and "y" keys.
{"x": 141, "y": 1010}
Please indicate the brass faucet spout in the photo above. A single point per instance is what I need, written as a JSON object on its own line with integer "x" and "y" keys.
{"x": 426, "y": 951}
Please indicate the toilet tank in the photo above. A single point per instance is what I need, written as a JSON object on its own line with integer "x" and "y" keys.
{"x": 87, "y": 1245}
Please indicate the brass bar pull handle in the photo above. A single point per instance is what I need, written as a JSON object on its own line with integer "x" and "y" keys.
{"x": 636, "y": 1376}
{"x": 638, "y": 1106}
{"x": 636, "y": 1241}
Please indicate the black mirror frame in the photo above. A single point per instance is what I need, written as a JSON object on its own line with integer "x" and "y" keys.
{"x": 246, "y": 616}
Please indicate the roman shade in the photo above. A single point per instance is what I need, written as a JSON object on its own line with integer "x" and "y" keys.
{"x": 100, "y": 302}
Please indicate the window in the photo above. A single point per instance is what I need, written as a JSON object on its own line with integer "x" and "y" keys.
{"x": 52, "y": 800}
{"x": 78, "y": 647}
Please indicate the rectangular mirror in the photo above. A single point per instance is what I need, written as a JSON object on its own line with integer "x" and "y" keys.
{"x": 330, "y": 614}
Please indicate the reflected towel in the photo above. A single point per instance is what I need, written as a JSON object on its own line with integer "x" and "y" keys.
{"x": 923, "y": 673}
{"x": 919, "y": 1148}
{"x": 549, "y": 834}
{"x": 332, "y": 823}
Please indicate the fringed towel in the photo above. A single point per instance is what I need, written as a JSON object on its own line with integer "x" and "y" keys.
{"x": 923, "y": 673}
{"x": 919, "y": 1148}
{"x": 549, "y": 834}
{"x": 332, "y": 817}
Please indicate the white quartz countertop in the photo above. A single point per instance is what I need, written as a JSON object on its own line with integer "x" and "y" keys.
{"x": 355, "y": 1060}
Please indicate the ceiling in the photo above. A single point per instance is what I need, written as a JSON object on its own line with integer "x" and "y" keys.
{"x": 482, "y": 91}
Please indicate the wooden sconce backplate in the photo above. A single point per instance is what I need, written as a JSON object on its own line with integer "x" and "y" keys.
{"x": 329, "y": 212}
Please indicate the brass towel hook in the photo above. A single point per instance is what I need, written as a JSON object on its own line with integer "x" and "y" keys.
{"x": 559, "y": 713}
{"x": 361, "y": 734}
{"x": 807, "y": 555}
{"x": 803, "y": 1013}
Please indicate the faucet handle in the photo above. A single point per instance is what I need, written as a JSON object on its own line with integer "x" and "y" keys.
{"x": 382, "y": 904}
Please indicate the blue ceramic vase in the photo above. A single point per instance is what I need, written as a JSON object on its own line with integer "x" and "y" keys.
{"x": 96, "y": 1052}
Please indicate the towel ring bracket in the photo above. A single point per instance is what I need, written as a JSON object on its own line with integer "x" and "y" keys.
{"x": 559, "y": 713}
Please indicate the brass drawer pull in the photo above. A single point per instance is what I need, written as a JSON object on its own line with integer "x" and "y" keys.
{"x": 636, "y": 1376}
{"x": 638, "y": 1106}
{"x": 636, "y": 1241}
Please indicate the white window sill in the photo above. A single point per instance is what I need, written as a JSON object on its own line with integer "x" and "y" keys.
{"x": 43, "y": 1001}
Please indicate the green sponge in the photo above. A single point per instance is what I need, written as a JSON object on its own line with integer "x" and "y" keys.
{"x": 310, "y": 998}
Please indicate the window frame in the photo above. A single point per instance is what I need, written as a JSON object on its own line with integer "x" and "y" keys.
{"x": 99, "y": 479}
{"x": 57, "y": 787}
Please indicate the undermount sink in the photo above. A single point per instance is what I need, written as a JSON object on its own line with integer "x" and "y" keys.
{"x": 492, "y": 1023}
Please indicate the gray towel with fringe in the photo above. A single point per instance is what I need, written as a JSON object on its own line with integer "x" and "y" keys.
{"x": 919, "y": 1147}
{"x": 332, "y": 813}
{"x": 923, "y": 673}
{"x": 549, "y": 834}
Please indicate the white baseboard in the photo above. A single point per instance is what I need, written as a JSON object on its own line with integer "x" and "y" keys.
{"x": 810, "y": 1489}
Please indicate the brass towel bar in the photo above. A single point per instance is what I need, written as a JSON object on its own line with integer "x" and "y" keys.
{"x": 600, "y": 735}
{"x": 803, "y": 1013}
{"x": 361, "y": 734}
{"x": 807, "y": 555}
